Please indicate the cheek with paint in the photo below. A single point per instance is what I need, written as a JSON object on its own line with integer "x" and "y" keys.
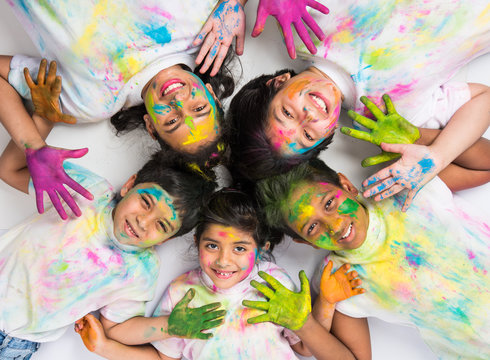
{"x": 252, "y": 257}
{"x": 296, "y": 87}
{"x": 155, "y": 109}
{"x": 301, "y": 210}
{"x": 348, "y": 207}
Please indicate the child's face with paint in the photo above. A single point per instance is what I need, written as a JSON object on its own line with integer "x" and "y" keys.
{"x": 304, "y": 112}
{"x": 227, "y": 255}
{"x": 182, "y": 111}
{"x": 145, "y": 216}
{"x": 327, "y": 216}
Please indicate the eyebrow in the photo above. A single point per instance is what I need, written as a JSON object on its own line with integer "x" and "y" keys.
{"x": 234, "y": 243}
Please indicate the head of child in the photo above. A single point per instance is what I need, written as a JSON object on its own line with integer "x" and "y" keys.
{"x": 158, "y": 203}
{"x": 283, "y": 120}
{"x": 182, "y": 112}
{"x": 230, "y": 238}
{"x": 315, "y": 205}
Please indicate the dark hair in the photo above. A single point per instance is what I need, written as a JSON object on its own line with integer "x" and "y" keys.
{"x": 230, "y": 207}
{"x": 186, "y": 188}
{"x": 272, "y": 193}
{"x": 223, "y": 85}
{"x": 253, "y": 156}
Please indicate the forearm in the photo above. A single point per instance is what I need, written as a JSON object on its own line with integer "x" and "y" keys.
{"x": 321, "y": 343}
{"x": 114, "y": 350}
{"x": 323, "y": 312}
{"x": 459, "y": 134}
{"x": 140, "y": 330}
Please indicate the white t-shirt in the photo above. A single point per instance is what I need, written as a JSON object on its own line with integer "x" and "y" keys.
{"x": 235, "y": 339}
{"x": 53, "y": 272}
{"x": 406, "y": 49}
{"x": 107, "y": 50}
{"x": 426, "y": 268}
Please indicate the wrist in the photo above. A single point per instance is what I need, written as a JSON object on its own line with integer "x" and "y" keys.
{"x": 307, "y": 327}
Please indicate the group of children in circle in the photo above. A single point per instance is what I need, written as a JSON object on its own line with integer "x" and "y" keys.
{"x": 101, "y": 258}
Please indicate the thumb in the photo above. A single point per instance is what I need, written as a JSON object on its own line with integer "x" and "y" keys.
{"x": 68, "y": 119}
{"x": 259, "y": 22}
{"x": 394, "y": 148}
{"x": 77, "y": 153}
{"x": 189, "y": 295}
{"x": 327, "y": 270}
{"x": 305, "y": 284}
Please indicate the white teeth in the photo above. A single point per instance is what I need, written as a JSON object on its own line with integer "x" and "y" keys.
{"x": 223, "y": 274}
{"x": 172, "y": 87}
{"x": 347, "y": 233}
{"x": 131, "y": 229}
{"x": 319, "y": 102}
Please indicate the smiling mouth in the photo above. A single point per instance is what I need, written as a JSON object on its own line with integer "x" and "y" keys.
{"x": 130, "y": 230}
{"x": 347, "y": 233}
{"x": 223, "y": 274}
{"x": 319, "y": 102}
{"x": 171, "y": 86}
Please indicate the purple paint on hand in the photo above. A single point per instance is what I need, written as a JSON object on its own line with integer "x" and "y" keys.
{"x": 47, "y": 173}
{"x": 289, "y": 12}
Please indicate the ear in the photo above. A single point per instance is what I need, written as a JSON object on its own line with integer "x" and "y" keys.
{"x": 266, "y": 246}
{"x": 210, "y": 89}
{"x": 303, "y": 241}
{"x": 279, "y": 80}
{"x": 347, "y": 185}
{"x": 128, "y": 185}
{"x": 150, "y": 127}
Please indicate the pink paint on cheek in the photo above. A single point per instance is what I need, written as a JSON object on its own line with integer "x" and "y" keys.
{"x": 251, "y": 263}
{"x": 339, "y": 192}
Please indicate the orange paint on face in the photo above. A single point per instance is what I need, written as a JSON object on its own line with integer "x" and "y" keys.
{"x": 296, "y": 87}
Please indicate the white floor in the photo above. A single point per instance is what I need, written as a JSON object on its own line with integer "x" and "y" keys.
{"x": 117, "y": 158}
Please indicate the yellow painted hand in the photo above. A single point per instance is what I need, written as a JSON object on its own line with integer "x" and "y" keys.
{"x": 340, "y": 285}
{"x": 45, "y": 94}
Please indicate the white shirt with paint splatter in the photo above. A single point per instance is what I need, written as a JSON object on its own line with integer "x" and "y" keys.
{"x": 53, "y": 272}
{"x": 107, "y": 50}
{"x": 426, "y": 268}
{"x": 406, "y": 49}
{"x": 235, "y": 339}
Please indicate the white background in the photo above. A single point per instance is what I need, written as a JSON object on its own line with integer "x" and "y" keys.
{"x": 117, "y": 158}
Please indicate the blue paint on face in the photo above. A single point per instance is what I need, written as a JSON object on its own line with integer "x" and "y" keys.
{"x": 162, "y": 109}
{"x": 209, "y": 97}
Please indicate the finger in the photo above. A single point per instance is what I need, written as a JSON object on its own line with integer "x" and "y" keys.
{"x": 210, "y": 58}
{"x": 259, "y": 319}
{"x": 304, "y": 36}
{"x": 68, "y": 119}
{"x": 212, "y": 324}
{"x": 51, "y": 73}
{"x": 29, "y": 81}
{"x": 213, "y": 315}
{"x": 92, "y": 320}
{"x": 260, "y": 21}
{"x": 272, "y": 281}
{"x": 57, "y": 204}
{"x": 240, "y": 42}
{"x": 317, "y": 6}
{"x": 65, "y": 195}
{"x": 344, "y": 268}
{"x": 358, "y": 291}
{"x": 390, "y": 108}
{"x": 219, "y": 59}
{"x": 206, "y": 46}
{"x": 355, "y": 283}
{"x": 382, "y": 186}
{"x": 39, "y": 201}
{"x": 204, "y": 336}
{"x": 352, "y": 275}
{"x": 361, "y": 135}
{"x": 395, "y": 189}
{"x": 208, "y": 26}
{"x": 268, "y": 292}
{"x": 327, "y": 270}
{"x": 75, "y": 153}
{"x": 305, "y": 284}
{"x": 288, "y": 39}
{"x": 378, "y": 176}
{"x": 210, "y": 307}
{"x": 41, "y": 74}
{"x": 56, "y": 87}
{"x": 308, "y": 20}
{"x": 364, "y": 121}
{"x": 378, "y": 159}
{"x": 259, "y": 305}
{"x": 408, "y": 200}
{"x": 78, "y": 188}
{"x": 378, "y": 114}
{"x": 186, "y": 299}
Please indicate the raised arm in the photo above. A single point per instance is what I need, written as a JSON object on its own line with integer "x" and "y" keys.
{"x": 183, "y": 322}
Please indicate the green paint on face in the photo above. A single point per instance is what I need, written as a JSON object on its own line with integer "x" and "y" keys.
{"x": 189, "y": 121}
{"x": 348, "y": 207}
{"x": 324, "y": 242}
{"x": 301, "y": 208}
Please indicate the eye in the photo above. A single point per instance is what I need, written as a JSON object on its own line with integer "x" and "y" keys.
{"x": 200, "y": 108}
{"x": 328, "y": 203}
{"x": 240, "y": 249}
{"x": 308, "y": 136}
{"x": 146, "y": 202}
{"x": 287, "y": 113}
{"x": 211, "y": 246}
{"x": 172, "y": 121}
{"x": 311, "y": 228}
{"x": 162, "y": 226}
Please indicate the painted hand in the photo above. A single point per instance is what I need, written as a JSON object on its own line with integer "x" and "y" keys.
{"x": 417, "y": 166}
{"x": 340, "y": 285}
{"x": 45, "y": 95}
{"x": 47, "y": 173}
{"x": 226, "y": 22}
{"x": 289, "y": 12}
{"x": 390, "y": 128}
{"x": 91, "y": 331}
{"x": 285, "y": 307}
{"x": 189, "y": 323}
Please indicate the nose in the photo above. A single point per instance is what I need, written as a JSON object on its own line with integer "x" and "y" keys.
{"x": 142, "y": 221}
{"x": 335, "y": 226}
{"x": 223, "y": 259}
